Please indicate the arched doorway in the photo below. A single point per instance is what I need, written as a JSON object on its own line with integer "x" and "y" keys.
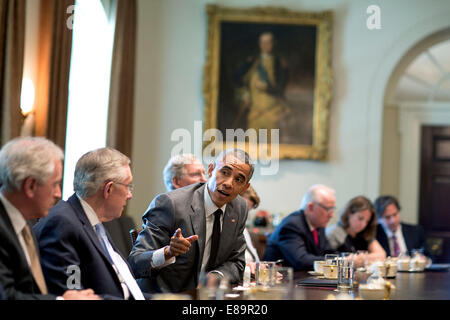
{"x": 417, "y": 100}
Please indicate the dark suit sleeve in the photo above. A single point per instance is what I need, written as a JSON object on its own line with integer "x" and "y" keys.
{"x": 57, "y": 244}
{"x": 11, "y": 285}
{"x": 293, "y": 247}
{"x": 157, "y": 230}
{"x": 234, "y": 266}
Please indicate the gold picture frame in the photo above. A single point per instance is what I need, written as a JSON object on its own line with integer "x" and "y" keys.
{"x": 304, "y": 38}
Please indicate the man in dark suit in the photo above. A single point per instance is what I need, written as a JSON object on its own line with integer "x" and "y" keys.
{"x": 74, "y": 232}
{"x": 395, "y": 236}
{"x": 300, "y": 238}
{"x": 2, "y": 293}
{"x": 30, "y": 176}
{"x": 196, "y": 229}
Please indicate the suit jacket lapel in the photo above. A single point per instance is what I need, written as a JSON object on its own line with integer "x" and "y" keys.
{"x": 76, "y": 205}
{"x": 7, "y": 222}
{"x": 311, "y": 244}
{"x": 198, "y": 221}
{"x": 407, "y": 238}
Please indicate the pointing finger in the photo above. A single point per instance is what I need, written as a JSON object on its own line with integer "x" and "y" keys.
{"x": 192, "y": 238}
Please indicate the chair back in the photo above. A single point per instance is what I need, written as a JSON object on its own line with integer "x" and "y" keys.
{"x": 133, "y": 235}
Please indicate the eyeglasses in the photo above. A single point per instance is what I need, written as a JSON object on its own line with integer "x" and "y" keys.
{"x": 327, "y": 209}
{"x": 130, "y": 186}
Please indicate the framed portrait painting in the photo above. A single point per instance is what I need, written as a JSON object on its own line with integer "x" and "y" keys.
{"x": 270, "y": 68}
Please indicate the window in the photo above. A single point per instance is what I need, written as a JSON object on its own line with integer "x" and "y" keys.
{"x": 92, "y": 44}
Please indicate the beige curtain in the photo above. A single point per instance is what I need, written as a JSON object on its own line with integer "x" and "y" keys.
{"x": 121, "y": 104}
{"x": 55, "y": 45}
{"x": 121, "y": 97}
{"x": 12, "y": 41}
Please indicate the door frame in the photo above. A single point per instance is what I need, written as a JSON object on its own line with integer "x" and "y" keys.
{"x": 412, "y": 116}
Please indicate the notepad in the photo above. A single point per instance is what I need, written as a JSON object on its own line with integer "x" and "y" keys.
{"x": 438, "y": 267}
{"x": 314, "y": 282}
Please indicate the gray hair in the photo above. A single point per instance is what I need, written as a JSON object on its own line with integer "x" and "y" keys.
{"x": 313, "y": 195}
{"x": 175, "y": 168}
{"x": 241, "y": 155}
{"x": 27, "y": 157}
{"x": 96, "y": 167}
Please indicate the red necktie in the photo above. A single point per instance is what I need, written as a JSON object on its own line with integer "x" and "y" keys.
{"x": 316, "y": 237}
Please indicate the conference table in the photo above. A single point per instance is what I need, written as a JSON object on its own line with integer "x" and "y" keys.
{"x": 427, "y": 285}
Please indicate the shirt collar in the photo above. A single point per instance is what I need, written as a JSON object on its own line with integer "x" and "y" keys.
{"x": 389, "y": 232}
{"x": 311, "y": 228}
{"x": 17, "y": 220}
{"x": 90, "y": 213}
{"x": 210, "y": 206}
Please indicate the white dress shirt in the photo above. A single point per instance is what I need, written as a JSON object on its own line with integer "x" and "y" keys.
{"x": 400, "y": 239}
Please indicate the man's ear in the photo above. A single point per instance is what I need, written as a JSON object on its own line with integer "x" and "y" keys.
{"x": 310, "y": 206}
{"x": 211, "y": 167}
{"x": 175, "y": 183}
{"x": 107, "y": 190}
{"x": 29, "y": 186}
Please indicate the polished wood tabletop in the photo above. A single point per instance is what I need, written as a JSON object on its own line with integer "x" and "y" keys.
{"x": 409, "y": 286}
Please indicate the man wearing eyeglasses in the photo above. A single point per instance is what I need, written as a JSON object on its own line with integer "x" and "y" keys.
{"x": 76, "y": 249}
{"x": 183, "y": 170}
{"x": 300, "y": 238}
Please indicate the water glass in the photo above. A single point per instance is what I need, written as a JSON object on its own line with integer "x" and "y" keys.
{"x": 284, "y": 282}
{"x": 265, "y": 273}
{"x": 330, "y": 267}
{"x": 345, "y": 274}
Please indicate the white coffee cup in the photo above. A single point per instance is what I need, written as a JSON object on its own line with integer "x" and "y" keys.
{"x": 318, "y": 266}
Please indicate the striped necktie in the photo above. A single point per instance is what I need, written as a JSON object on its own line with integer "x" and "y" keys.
{"x": 396, "y": 246}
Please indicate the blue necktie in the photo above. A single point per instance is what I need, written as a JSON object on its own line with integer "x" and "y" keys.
{"x": 100, "y": 229}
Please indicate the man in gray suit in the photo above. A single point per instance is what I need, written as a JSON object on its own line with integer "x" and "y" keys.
{"x": 194, "y": 229}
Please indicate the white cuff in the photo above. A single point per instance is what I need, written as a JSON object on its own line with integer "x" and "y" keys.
{"x": 158, "y": 260}
{"x": 218, "y": 272}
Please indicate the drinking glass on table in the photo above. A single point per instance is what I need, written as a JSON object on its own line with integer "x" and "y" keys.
{"x": 265, "y": 273}
{"x": 284, "y": 283}
{"x": 330, "y": 266}
{"x": 345, "y": 273}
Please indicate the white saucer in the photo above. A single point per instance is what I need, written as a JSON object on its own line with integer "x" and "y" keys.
{"x": 241, "y": 288}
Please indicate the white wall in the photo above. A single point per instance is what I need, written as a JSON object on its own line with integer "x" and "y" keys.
{"x": 170, "y": 59}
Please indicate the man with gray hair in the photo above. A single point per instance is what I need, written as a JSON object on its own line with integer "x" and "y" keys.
{"x": 74, "y": 232}
{"x": 182, "y": 170}
{"x": 30, "y": 177}
{"x": 196, "y": 229}
{"x": 300, "y": 238}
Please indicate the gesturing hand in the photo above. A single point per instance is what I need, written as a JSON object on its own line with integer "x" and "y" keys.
{"x": 179, "y": 244}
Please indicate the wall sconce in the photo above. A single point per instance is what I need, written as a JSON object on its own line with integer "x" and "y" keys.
{"x": 26, "y": 105}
